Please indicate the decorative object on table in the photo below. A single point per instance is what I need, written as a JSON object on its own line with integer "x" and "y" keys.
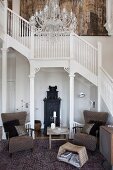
{"x": 51, "y": 108}
{"x": 52, "y": 125}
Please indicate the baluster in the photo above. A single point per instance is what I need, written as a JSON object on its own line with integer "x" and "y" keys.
{"x": 86, "y": 55}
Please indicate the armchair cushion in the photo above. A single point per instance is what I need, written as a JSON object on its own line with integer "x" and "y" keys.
{"x": 9, "y": 127}
{"x": 86, "y": 140}
{"x": 20, "y": 143}
{"x": 87, "y": 128}
{"x": 21, "y": 130}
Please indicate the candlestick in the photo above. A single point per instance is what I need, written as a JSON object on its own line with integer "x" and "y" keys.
{"x": 54, "y": 114}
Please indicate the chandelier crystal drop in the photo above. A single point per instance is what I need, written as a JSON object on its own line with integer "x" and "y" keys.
{"x": 53, "y": 20}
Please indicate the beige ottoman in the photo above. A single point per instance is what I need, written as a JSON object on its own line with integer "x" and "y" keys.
{"x": 80, "y": 150}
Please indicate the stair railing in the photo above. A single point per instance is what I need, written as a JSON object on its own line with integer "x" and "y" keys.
{"x": 67, "y": 46}
{"x": 18, "y": 28}
{"x": 85, "y": 54}
{"x": 106, "y": 89}
{"x": 1, "y": 16}
{"x": 47, "y": 46}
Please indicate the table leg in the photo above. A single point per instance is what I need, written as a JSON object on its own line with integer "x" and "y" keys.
{"x": 49, "y": 141}
{"x": 67, "y": 137}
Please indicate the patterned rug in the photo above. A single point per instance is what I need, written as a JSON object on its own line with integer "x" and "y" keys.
{"x": 42, "y": 158}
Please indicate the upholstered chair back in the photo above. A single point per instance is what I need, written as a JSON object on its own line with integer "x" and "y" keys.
{"x": 21, "y": 116}
{"x": 95, "y": 116}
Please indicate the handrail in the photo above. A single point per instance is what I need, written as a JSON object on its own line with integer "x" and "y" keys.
{"x": 85, "y": 41}
{"x": 109, "y": 77}
{"x": 18, "y": 28}
{"x": 18, "y": 16}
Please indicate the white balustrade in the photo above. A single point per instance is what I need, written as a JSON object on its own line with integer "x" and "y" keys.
{"x": 18, "y": 28}
{"x": 106, "y": 83}
{"x": 56, "y": 47}
{"x": 48, "y": 47}
{"x": 85, "y": 54}
{"x": 62, "y": 46}
{"x": 1, "y": 16}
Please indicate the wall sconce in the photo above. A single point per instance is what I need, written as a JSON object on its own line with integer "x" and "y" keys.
{"x": 92, "y": 103}
{"x": 81, "y": 95}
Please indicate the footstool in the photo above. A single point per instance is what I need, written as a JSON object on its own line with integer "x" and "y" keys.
{"x": 80, "y": 150}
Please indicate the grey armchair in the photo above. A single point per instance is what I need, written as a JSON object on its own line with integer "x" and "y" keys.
{"x": 14, "y": 126}
{"x": 89, "y": 138}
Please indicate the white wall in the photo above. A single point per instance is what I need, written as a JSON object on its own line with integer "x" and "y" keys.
{"x": 107, "y": 50}
{"x": 22, "y": 82}
{"x": 52, "y": 77}
{"x": 84, "y": 86}
{"x": 105, "y": 109}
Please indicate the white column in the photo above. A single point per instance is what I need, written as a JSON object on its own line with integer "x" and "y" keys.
{"x": 4, "y": 79}
{"x": 99, "y": 76}
{"x": 32, "y": 76}
{"x": 71, "y": 103}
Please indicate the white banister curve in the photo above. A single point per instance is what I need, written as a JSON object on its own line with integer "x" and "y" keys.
{"x": 106, "y": 89}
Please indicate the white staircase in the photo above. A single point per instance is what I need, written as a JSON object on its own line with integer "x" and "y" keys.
{"x": 69, "y": 48}
{"x": 1, "y": 19}
{"x": 106, "y": 89}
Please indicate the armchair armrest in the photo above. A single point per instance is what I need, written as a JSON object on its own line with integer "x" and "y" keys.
{"x": 7, "y": 135}
{"x": 77, "y": 126}
{"x": 29, "y": 129}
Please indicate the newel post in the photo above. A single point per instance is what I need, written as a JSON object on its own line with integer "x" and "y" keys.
{"x": 99, "y": 74}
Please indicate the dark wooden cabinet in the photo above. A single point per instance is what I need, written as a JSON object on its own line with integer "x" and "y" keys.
{"x": 51, "y": 104}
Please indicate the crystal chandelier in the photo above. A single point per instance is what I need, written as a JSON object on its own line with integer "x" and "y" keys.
{"x": 53, "y": 20}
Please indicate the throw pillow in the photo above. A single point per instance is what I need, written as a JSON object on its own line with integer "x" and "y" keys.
{"x": 95, "y": 129}
{"x": 9, "y": 127}
{"x": 21, "y": 130}
{"x": 87, "y": 127}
